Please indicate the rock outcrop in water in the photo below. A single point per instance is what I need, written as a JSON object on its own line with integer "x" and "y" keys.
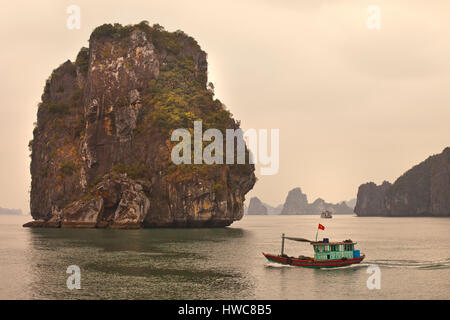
{"x": 424, "y": 190}
{"x": 101, "y": 147}
{"x": 297, "y": 203}
{"x": 256, "y": 207}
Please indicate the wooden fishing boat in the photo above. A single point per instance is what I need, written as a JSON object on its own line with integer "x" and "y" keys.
{"x": 326, "y": 254}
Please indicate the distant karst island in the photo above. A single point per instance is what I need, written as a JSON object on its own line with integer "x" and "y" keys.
{"x": 296, "y": 203}
{"x": 101, "y": 147}
{"x": 424, "y": 190}
{"x": 10, "y": 212}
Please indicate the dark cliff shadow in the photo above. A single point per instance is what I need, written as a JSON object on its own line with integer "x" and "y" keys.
{"x": 128, "y": 240}
{"x": 141, "y": 264}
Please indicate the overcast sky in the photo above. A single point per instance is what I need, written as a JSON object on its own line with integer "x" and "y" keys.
{"x": 352, "y": 104}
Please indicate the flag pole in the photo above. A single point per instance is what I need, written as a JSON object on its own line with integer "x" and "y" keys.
{"x": 320, "y": 227}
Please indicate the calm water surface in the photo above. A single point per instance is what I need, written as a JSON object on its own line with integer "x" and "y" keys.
{"x": 413, "y": 255}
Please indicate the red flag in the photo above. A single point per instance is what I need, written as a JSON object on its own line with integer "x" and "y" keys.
{"x": 321, "y": 227}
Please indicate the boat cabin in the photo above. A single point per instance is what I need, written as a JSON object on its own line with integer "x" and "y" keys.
{"x": 325, "y": 250}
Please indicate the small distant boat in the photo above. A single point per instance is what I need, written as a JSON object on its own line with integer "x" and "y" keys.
{"x": 326, "y": 254}
{"x": 326, "y": 214}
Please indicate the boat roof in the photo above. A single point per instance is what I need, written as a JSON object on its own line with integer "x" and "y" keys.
{"x": 318, "y": 243}
{"x": 298, "y": 239}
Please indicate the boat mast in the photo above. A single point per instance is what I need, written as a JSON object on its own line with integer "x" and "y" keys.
{"x": 282, "y": 244}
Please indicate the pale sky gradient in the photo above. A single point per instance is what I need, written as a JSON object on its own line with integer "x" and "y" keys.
{"x": 353, "y": 105}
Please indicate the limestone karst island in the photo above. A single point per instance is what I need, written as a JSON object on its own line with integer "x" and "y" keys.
{"x": 101, "y": 146}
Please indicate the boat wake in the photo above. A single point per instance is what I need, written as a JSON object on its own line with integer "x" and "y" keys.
{"x": 352, "y": 266}
{"x": 408, "y": 264}
{"x": 411, "y": 264}
{"x": 277, "y": 265}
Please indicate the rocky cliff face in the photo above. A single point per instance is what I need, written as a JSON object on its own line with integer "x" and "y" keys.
{"x": 371, "y": 199}
{"x": 424, "y": 190}
{"x": 101, "y": 147}
{"x": 256, "y": 207}
{"x": 296, "y": 202}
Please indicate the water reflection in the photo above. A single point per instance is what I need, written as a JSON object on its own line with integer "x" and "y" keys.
{"x": 148, "y": 264}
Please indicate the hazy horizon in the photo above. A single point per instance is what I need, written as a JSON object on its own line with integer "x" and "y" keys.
{"x": 353, "y": 105}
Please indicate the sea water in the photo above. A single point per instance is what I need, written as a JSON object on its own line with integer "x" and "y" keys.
{"x": 411, "y": 257}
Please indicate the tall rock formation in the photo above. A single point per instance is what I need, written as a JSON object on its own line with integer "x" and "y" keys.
{"x": 296, "y": 202}
{"x": 371, "y": 199}
{"x": 101, "y": 148}
{"x": 256, "y": 207}
{"x": 424, "y": 190}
